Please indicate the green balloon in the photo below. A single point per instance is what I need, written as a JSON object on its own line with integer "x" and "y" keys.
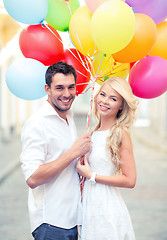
{"x": 59, "y": 13}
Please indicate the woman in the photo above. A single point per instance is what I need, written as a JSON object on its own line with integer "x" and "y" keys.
{"x": 112, "y": 164}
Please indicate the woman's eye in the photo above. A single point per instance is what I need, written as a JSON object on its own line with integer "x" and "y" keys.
{"x": 102, "y": 94}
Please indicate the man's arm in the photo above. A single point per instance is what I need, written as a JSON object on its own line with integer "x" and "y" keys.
{"x": 46, "y": 172}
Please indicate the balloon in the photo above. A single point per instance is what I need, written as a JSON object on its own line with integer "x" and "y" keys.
{"x": 148, "y": 77}
{"x": 92, "y": 5}
{"x": 156, "y": 9}
{"x": 25, "y": 78}
{"x": 80, "y": 33}
{"x": 78, "y": 61}
{"x": 105, "y": 65}
{"x": 112, "y": 26}
{"x": 40, "y": 43}
{"x": 142, "y": 41}
{"x": 160, "y": 47}
{"x": 8, "y": 29}
{"x": 59, "y": 13}
{"x": 132, "y": 64}
{"x": 134, "y": 3}
{"x": 29, "y": 12}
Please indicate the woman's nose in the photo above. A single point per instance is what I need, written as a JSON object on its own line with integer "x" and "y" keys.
{"x": 105, "y": 100}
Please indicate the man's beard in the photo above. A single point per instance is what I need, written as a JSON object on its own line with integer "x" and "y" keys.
{"x": 60, "y": 109}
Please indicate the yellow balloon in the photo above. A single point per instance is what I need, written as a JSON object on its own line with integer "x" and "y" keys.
{"x": 79, "y": 30}
{"x": 112, "y": 26}
{"x": 105, "y": 66}
{"x": 160, "y": 47}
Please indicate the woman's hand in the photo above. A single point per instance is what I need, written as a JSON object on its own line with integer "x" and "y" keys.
{"x": 83, "y": 168}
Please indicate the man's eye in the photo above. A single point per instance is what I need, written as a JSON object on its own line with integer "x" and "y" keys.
{"x": 59, "y": 88}
{"x": 102, "y": 94}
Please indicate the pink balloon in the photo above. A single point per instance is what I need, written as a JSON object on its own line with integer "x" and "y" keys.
{"x": 148, "y": 77}
{"x": 156, "y": 9}
{"x": 93, "y": 4}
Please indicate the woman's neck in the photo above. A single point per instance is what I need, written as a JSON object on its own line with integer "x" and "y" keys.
{"x": 106, "y": 124}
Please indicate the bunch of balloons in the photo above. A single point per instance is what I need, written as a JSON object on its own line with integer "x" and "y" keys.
{"x": 42, "y": 45}
{"x": 110, "y": 37}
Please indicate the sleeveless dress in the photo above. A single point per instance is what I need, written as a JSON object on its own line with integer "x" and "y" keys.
{"x": 105, "y": 215}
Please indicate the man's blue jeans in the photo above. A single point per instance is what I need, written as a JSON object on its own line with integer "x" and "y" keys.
{"x": 48, "y": 232}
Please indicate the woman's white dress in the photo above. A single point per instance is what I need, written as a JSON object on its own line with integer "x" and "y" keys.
{"x": 105, "y": 215}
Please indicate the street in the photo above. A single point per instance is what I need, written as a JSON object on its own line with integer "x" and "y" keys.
{"x": 147, "y": 202}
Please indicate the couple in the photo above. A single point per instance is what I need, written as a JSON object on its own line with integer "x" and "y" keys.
{"x": 51, "y": 159}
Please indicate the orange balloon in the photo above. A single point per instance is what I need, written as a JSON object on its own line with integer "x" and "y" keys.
{"x": 142, "y": 41}
{"x": 160, "y": 47}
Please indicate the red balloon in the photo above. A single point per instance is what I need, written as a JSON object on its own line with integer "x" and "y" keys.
{"x": 73, "y": 57}
{"x": 132, "y": 64}
{"x": 38, "y": 42}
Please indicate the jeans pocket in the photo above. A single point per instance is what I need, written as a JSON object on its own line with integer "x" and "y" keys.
{"x": 40, "y": 233}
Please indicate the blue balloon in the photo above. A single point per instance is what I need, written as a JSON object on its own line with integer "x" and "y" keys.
{"x": 25, "y": 78}
{"x": 30, "y": 12}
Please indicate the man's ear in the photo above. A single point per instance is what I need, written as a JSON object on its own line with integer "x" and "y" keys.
{"x": 47, "y": 88}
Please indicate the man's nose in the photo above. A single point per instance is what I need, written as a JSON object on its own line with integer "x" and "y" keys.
{"x": 66, "y": 93}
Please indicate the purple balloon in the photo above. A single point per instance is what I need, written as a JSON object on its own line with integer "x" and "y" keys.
{"x": 148, "y": 77}
{"x": 156, "y": 9}
{"x": 135, "y": 3}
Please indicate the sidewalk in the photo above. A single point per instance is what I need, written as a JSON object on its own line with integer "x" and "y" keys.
{"x": 148, "y": 137}
{"x": 9, "y": 156}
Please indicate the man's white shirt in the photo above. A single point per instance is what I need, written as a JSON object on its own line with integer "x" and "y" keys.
{"x": 45, "y": 137}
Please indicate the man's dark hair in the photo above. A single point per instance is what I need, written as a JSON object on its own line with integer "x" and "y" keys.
{"x": 59, "y": 67}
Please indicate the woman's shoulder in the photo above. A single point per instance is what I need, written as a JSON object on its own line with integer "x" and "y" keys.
{"x": 126, "y": 138}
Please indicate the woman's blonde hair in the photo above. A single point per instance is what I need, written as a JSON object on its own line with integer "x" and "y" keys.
{"x": 125, "y": 117}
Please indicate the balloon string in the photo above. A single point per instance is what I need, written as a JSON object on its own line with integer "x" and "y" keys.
{"x": 67, "y": 2}
{"x": 44, "y": 23}
{"x": 47, "y": 26}
{"x": 91, "y": 105}
{"x": 104, "y": 70}
{"x": 78, "y": 84}
{"x": 82, "y": 74}
{"x": 92, "y": 67}
{"x": 99, "y": 66}
{"x": 87, "y": 68}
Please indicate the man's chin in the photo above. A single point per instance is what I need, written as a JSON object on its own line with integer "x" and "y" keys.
{"x": 63, "y": 108}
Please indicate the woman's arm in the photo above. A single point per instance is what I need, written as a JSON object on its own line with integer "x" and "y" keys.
{"x": 128, "y": 177}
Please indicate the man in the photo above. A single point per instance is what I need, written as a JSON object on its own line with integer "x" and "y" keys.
{"x": 49, "y": 153}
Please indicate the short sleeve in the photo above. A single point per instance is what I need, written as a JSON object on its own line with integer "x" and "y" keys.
{"x": 34, "y": 147}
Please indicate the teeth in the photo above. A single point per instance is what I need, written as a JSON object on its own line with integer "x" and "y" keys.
{"x": 105, "y": 108}
{"x": 66, "y": 101}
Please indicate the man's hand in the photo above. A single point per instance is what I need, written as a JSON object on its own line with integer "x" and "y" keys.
{"x": 82, "y": 145}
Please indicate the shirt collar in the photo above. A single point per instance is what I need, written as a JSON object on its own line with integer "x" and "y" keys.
{"x": 48, "y": 110}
